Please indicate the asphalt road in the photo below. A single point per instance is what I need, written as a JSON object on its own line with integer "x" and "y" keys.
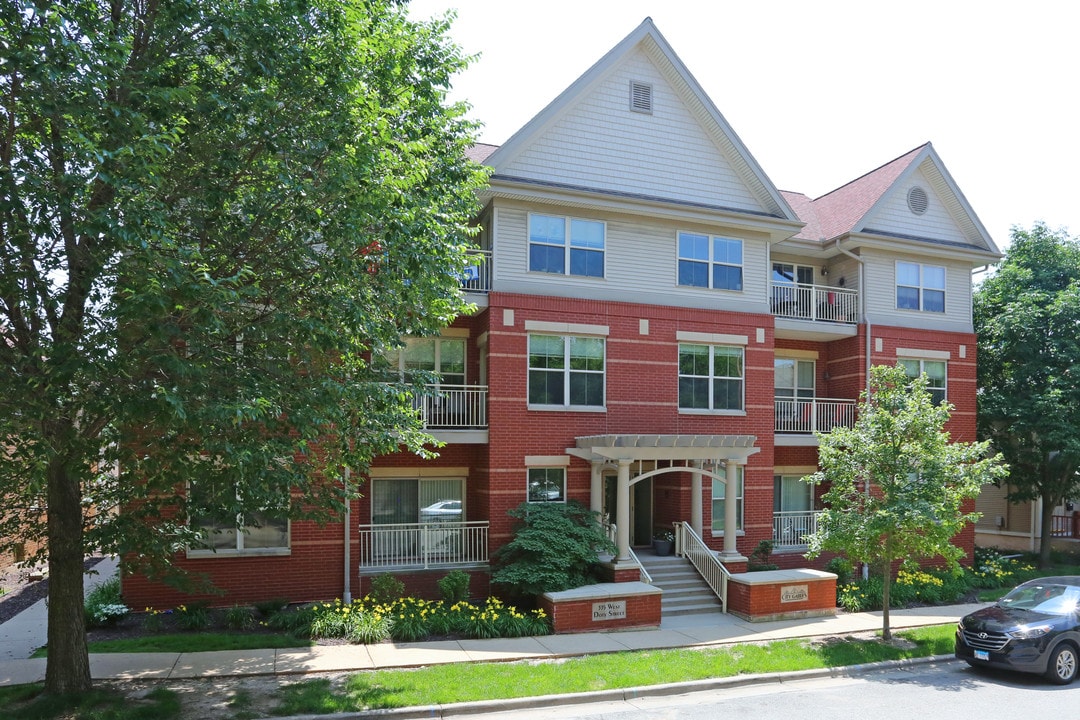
{"x": 944, "y": 690}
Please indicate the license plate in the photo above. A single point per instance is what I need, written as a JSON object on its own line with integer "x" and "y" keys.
{"x": 982, "y": 655}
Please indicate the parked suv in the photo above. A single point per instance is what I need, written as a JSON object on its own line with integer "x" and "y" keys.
{"x": 1035, "y": 628}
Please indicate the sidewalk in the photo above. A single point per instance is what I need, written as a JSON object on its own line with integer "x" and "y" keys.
{"x": 684, "y": 631}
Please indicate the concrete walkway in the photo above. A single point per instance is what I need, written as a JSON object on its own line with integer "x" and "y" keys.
{"x": 684, "y": 631}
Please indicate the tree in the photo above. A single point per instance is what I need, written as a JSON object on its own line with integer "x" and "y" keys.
{"x": 897, "y": 484}
{"x": 213, "y": 215}
{"x": 1027, "y": 316}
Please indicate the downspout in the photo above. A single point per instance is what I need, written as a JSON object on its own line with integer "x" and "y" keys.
{"x": 346, "y": 593}
{"x": 866, "y": 321}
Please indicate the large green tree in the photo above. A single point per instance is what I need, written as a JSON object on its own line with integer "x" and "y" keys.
{"x": 1027, "y": 316}
{"x": 897, "y": 484}
{"x": 211, "y": 212}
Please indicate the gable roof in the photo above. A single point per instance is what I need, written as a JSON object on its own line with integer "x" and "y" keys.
{"x": 647, "y": 38}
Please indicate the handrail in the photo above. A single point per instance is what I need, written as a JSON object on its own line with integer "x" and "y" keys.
{"x": 819, "y": 303}
{"x": 810, "y": 415}
{"x": 643, "y": 575}
{"x": 690, "y": 545}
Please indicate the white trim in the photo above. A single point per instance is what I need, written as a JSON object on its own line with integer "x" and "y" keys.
{"x": 801, "y": 470}
{"x": 566, "y": 328}
{"x": 547, "y": 461}
{"x": 711, "y": 338}
{"x": 917, "y": 354}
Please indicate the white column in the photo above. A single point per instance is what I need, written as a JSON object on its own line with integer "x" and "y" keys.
{"x": 596, "y": 486}
{"x": 622, "y": 512}
{"x": 731, "y": 517}
{"x": 696, "y": 515}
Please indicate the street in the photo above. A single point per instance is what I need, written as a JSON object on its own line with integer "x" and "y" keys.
{"x": 947, "y": 690}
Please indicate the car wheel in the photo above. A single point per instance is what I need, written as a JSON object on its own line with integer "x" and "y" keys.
{"x": 1063, "y": 664}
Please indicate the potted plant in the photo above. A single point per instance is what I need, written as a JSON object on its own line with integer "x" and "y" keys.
{"x": 663, "y": 542}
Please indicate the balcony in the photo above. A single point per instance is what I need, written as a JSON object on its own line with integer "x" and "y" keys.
{"x": 803, "y": 418}
{"x": 422, "y": 546}
{"x": 791, "y": 527}
{"x": 476, "y": 278}
{"x": 455, "y": 413}
{"x": 814, "y": 312}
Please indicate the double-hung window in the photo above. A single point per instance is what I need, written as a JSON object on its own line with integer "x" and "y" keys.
{"x": 709, "y": 261}
{"x": 711, "y": 377}
{"x": 936, "y": 375}
{"x": 719, "y": 498}
{"x": 566, "y": 246}
{"x": 920, "y": 287}
{"x": 547, "y": 484}
{"x": 566, "y": 371}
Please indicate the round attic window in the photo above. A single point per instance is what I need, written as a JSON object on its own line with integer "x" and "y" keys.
{"x": 917, "y": 200}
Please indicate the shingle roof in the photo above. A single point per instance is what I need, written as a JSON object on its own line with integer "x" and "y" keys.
{"x": 480, "y": 152}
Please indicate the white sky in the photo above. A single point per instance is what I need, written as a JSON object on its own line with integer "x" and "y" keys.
{"x": 824, "y": 91}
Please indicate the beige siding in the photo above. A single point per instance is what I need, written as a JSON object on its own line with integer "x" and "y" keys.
{"x": 597, "y": 142}
{"x": 895, "y": 217}
{"x": 640, "y": 264}
{"x": 880, "y": 276}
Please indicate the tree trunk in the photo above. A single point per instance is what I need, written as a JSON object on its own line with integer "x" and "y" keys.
{"x": 886, "y": 582}
{"x": 1046, "y": 523}
{"x": 67, "y": 669}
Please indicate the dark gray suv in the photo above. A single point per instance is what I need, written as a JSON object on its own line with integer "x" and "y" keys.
{"x": 1035, "y": 628}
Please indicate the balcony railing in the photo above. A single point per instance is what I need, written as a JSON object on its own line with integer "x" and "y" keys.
{"x": 477, "y": 275}
{"x": 1064, "y": 526}
{"x": 820, "y": 303}
{"x": 790, "y": 528}
{"x": 423, "y": 545}
{"x": 810, "y": 416}
{"x": 454, "y": 407}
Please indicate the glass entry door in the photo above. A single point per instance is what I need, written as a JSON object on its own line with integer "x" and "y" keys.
{"x": 640, "y": 508}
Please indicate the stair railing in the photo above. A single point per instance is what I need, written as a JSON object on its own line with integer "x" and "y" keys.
{"x": 644, "y": 574}
{"x": 690, "y": 545}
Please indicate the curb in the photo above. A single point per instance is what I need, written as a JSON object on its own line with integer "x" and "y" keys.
{"x": 429, "y": 712}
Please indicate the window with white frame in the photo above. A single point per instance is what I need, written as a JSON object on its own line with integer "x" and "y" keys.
{"x": 444, "y": 356}
{"x": 566, "y": 371}
{"x": 793, "y": 379}
{"x": 936, "y": 375}
{"x": 403, "y": 501}
{"x": 710, "y": 377}
{"x": 710, "y": 261}
{"x": 719, "y": 498}
{"x": 261, "y": 530}
{"x": 920, "y": 287}
{"x": 546, "y": 484}
{"x": 566, "y": 246}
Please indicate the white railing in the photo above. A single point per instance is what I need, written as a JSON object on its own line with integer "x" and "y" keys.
{"x": 693, "y": 548}
{"x": 644, "y": 575}
{"x": 790, "y": 527}
{"x": 815, "y": 302}
{"x": 815, "y": 415}
{"x": 453, "y": 407}
{"x": 477, "y": 275}
{"x": 423, "y": 545}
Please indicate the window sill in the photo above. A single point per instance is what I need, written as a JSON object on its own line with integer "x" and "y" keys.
{"x": 569, "y": 408}
{"x": 568, "y": 276}
{"x": 258, "y": 552}
{"x": 729, "y": 413}
{"x": 720, "y": 533}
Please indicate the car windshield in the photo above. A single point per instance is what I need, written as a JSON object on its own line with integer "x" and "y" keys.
{"x": 1049, "y": 599}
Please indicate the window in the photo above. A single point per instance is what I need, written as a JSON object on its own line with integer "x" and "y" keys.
{"x": 710, "y": 262}
{"x": 263, "y": 530}
{"x": 396, "y": 501}
{"x": 710, "y": 377}
{"x": 566, "y": 371}
{"x": 792, "y": 495}
{"x": 920, "y": 287}
{"x": 547, "y": 485}
{"x": 444, "y": 356}
{"x": 935, "y": 375}
{"x": 550, "y": 252}
{"x": 718, "y": 499}
{"x": 793, "y": 379}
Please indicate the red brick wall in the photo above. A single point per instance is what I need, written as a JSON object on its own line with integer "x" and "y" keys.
{"x": 576, "y": 615}
{"x": 761, "y": 601}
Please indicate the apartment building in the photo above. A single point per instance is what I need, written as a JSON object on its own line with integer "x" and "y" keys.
{"x": 659, "y": 331}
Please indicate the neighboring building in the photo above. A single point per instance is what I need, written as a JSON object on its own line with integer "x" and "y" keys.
{"x": 1017, "y": 526}
{"x": 654, "y": 317}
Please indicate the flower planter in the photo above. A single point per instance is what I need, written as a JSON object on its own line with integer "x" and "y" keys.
{"x": 663, "y": 547}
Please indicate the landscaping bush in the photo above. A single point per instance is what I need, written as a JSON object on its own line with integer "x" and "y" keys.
{"x": 194, "y": 617}
{"x": 842, "y": 568}
{"x": 268, "y": 608}
{"x": 454, "y": 587}
{"x": 239, "y": 617}
{"x": 104, "y": 605}
{"x": 759, "y": 557}
{"x": 554, "y": 547}
{"x": 386, "y": 588}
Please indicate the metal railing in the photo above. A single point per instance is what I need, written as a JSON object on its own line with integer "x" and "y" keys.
{"x": 454, "y": 407}
{"x": 477, "y": 275}
{"x": 424, "y": 545}
{"x": 815, "y": 415}
{"x": 1063, "y": 526}
{"x": 790, "y": 527}
{"x": 815, "y": 302}
{"x": 690, "y": 545}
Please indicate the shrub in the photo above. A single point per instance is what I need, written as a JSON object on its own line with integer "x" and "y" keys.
{"x": 193, "y": 617}
{"x": 268, "y": 608}
{"x": 104, "y": 606}
{"x": 759, "y": 557}
{"x": 386, "y": 588}
{"x": 368, "y": 628}
{"x": 239, "y": 617}
{"x": 454, "y": 587}
{"x": 842, "y": 568}
{"x": 554, "y": 548}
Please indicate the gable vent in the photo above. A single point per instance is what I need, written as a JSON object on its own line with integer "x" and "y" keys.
{"x": 917, "y": 200}
{"x": 640, "y": 97}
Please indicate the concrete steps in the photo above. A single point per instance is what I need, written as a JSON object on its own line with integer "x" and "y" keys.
{"x": 685, "y": 591}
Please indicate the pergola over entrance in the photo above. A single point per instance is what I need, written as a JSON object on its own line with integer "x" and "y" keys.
{"x": 620, "y": 451}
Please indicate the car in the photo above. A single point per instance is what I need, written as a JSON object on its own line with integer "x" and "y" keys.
{"x": 1035, "y": 628}
{"x": 442, "y": 511}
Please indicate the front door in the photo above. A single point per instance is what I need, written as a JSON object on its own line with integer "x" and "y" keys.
{"x": 640, "y": 508}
